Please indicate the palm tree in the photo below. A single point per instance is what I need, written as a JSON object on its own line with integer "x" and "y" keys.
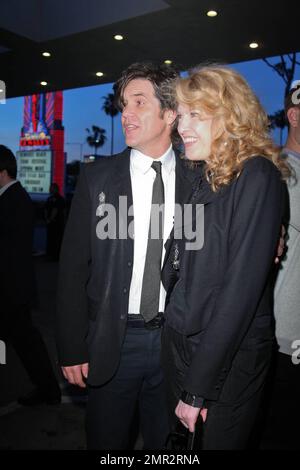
{"x": 278, "y": 120}
{"x": 96, "y": 137}
{"x": 110, "y": 109}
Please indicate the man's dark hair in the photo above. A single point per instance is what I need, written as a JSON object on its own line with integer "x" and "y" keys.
{"x": 8, "y": 162}
{"x": 161, "y": 76}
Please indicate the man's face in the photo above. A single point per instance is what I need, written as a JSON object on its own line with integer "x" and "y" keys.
{"x": 146, "y": 128}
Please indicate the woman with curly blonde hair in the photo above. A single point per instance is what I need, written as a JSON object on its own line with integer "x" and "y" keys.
{"x": 219, "y": 331}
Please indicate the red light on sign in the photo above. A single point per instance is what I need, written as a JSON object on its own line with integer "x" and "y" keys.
{"x": 34, "y": 142}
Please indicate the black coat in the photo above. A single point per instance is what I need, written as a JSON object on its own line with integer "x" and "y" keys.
{"x": 95, "y": 275}
{"x": 222, "y": 298}
{"x": 16, "y": 237}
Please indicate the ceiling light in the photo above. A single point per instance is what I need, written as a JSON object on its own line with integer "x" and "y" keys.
{"x": 44, "y": 83}
{"x": 99, "y": 74}
{"x": 46, "y": 54}
{"x": 118, "y": 37}
{"x": 212, "y": 13}
{"x": 168, "y": 62}
{"x": 253, "y": 45}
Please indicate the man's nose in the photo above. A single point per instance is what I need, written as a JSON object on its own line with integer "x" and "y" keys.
{"x": 127, "y": 112}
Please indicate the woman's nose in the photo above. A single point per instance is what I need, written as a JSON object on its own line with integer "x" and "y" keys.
{"x": 183, "y": 124}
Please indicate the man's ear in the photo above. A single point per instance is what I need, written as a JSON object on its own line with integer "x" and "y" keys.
{"x": 170, "y": 116}
{"x": 293, "y": 116}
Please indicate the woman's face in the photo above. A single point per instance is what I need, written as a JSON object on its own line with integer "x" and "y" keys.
{"x": 195, "y": 129}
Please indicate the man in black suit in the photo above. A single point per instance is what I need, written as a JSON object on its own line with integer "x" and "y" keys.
{"x": 17, "y": 284}
{"x": 110, "y": 298}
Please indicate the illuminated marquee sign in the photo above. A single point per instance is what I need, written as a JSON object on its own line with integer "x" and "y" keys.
{"x": 35, "y": 131}
{"x": 41, "y": 155}
{"x": 34, "y": 170}
{"x": 37, "y": 142}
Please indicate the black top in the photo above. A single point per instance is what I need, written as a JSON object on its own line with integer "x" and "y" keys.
{"x": 221, "y": 297}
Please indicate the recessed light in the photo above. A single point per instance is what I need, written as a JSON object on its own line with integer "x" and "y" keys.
{"x": 1, "y": 90}
{"x": 253, "y": 45}
{"x": 99, "y": 74}
{"x": 44, "y": 83}
{"x": 168, "y": 62}
{"x": 212, "y": 13}
{"x": 118, "y": 37}
{"x": 46, "y": 54}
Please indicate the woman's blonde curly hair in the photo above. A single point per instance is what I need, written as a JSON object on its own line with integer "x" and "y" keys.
{"x": 243, "y": 130}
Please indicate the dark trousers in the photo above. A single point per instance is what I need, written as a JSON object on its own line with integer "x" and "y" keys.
{"x": 280, "y": 423}
{"x": 230, "y": 420}
{"x": 55, "y": 233}
{"x": 138, "y": 382}
{"x": 16, "y": 327}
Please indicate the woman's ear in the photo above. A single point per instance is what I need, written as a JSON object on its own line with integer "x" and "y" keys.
{"x": 217, "y": 128}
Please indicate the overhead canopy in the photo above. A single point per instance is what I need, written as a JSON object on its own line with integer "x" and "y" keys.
{"x": 79, "y": 34}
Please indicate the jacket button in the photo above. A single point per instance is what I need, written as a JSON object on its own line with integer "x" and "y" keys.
{"x": 122, "y": 317}
{"x": 217, "y": 387}
{"x": 129, "y": 264}
{"x": 125, "y": 290}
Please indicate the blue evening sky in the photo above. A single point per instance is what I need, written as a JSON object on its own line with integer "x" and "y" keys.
{"x": 82, "y": 109}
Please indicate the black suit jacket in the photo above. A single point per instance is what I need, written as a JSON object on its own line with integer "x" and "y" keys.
{"x": 16, "y": 236}
{"x": 95, "y": 275}
{"x": 222, "y": 300}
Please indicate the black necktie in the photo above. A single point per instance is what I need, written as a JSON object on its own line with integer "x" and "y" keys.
{"x": 152, "y": 272}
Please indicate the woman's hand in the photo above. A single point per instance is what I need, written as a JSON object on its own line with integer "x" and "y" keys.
{"x": 188, "y": 415}
{"x": 281, "y": 245}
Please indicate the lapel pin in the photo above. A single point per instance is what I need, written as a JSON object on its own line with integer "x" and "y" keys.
{"x": 176, "y": 262}
{"x": 100, "y": 208}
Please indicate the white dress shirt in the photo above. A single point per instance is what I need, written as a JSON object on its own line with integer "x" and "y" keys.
{"x": 142, "y": 178}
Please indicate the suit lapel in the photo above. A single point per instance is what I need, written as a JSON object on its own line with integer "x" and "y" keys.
{"x": 184, "y": 188}
{"x": 121, "y": 181}
{"x": 191, "y": 187}
{"x": 185, "y": 181}
{"x": 120, "y": 185}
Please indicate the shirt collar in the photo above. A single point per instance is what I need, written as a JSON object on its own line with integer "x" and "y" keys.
{"x": 287, "y": 151}
{"x": 2, "y": 190}
{"x": 142, "y": 163}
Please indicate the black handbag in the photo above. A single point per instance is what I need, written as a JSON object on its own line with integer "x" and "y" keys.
{"x": 182, "y": 440}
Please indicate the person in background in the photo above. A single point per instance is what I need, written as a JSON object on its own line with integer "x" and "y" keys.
{"x": 17, "y": 287}
{"x": 287, "y": 289}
